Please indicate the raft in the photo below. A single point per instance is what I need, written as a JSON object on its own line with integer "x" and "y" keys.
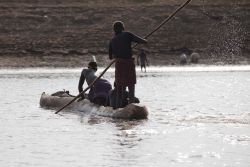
{"x": 131, "y": 111}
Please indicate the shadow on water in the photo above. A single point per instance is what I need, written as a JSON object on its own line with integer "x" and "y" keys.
{"x": 122, "y": 134}
{"x": 92, "y": 119}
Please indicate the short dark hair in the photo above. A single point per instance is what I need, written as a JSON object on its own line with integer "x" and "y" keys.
{"x": 118, "y": 26}
{"x": 92, "y": 65}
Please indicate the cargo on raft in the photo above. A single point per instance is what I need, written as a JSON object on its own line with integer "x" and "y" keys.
{"x": 131, "y": 111}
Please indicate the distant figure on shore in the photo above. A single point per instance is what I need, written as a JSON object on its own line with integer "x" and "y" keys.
{"x": 143, "y": 60}
{"x": 98, "y": 93}
{"x": 121, "y": 50}
{"x": 195, "y": 57}
{"x": 183, "y": 59}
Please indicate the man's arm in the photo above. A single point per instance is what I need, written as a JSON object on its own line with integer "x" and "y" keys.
{"x": 110, "y": 51}
{"x": 146, "y": 59}
{"x": 138, "y": 59}
{"x": 81, "y": 82}
{"x": 138, "y": 39}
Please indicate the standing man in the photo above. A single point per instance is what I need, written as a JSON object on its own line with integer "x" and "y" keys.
{"x": 121, "y": 50}
{"x": 143, "y": 60}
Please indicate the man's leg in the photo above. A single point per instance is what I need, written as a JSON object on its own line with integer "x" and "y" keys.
{"x": 131, "y": 93}
{"x": 119, "y": 96}
{"x": 142, "y": 66}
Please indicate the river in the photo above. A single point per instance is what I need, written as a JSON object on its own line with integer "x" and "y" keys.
{"x": 198, "y": 116}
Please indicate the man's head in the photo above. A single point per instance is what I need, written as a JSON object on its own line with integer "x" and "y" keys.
{"x": 118, "y": 26}
{"x": 92, "y": 65}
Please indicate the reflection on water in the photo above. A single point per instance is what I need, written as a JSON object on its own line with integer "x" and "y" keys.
{"x": 198, "y": 116}
{"x": 241, "y": 119}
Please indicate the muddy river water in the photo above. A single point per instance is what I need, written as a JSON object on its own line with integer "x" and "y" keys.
{"x": 198, "y": 116}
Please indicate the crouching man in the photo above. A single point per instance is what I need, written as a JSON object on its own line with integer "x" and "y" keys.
{"x": 98, "y": 93}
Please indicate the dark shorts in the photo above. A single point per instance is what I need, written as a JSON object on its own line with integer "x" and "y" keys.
{"x": 125, "y": 74}
{"x": 100, "y": 89}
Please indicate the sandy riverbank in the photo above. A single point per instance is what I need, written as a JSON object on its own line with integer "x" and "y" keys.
{"x": 66, "y": 34}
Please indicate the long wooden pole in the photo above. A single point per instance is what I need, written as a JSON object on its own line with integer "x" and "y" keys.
{"x": 112, "y": 62}
{"x": 166, "y": 20}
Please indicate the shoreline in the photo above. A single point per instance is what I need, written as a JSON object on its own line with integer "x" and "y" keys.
{"x": 80, "y": 61}
{"x": 179, "y": 68}
{"x": 48, "y": 34}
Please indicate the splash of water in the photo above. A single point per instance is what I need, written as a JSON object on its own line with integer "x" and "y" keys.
{"x": 227, "y": 37}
